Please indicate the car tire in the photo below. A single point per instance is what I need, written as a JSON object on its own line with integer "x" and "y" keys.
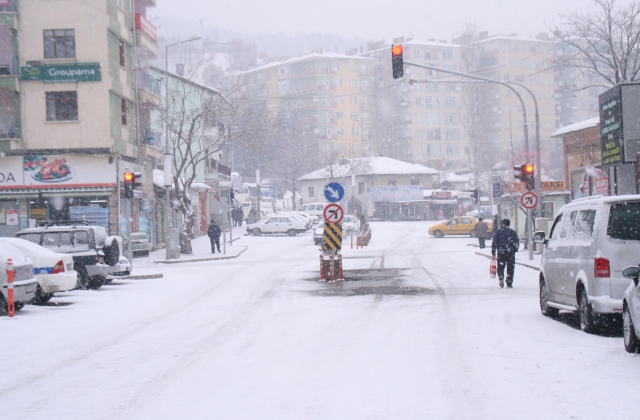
{"x": 83, "y": 278}
{"x": 292, "y": 232}
{"x": 473, "y": 233}
{"x": 97, "y": 282}
{"x": 256, "y": 232}
{"x": 585, "y": 315}
{"x": 544, "y": 301}
{"x": 41, "y": 297}
{"x": 112, "y": 252}
{"x": 631, "y": 342}
{"x": 438, "y": 234}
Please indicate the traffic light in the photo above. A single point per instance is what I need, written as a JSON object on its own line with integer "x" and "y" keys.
{"x": 526, "y": 173}
{"x": 137, "y": 179}
{"x": 475, "y": 194}
{"x": 129, "y": 179}
{"x": 397, "y": 62}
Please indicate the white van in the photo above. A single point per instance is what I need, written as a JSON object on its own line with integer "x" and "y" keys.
{"x": 591, "y": 241}
{"x": 314, "y": 209}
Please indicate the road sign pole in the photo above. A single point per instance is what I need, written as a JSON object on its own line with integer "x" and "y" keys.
{"x": 530, "y": 233}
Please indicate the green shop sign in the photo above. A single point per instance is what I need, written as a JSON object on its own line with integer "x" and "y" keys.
{"x": 57, "y": 73}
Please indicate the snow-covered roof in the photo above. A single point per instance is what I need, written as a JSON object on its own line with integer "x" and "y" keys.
{"x": 453, "y": 177}
{"x": 512, "y": 38}
{"x": 582, "y": 125}
{"x": 304, "y": 57}
{"x": 158, "y": 181}
{"x": 430, "y": 43}
{"x": 370, "y": 165}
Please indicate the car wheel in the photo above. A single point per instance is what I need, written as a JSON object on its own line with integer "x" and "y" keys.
{"x": 97, "y": 282}
{"x": 473, "y": 233}
{"x": 19, "y": 305}
{"x": 292, "y": 232}
{"x": 544, "y": 301}
{"x": 631, "y": 342}
{"x": 83, "y": 278}
{"x": 585, "y": 315}
{"x": 41, "y": 297}
{"x": 257, "y": 232}
{"x": 438, "y": 234}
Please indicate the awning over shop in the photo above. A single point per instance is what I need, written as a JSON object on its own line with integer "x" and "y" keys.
{"x": 442, "y": 201}
{"x": 56, "y": 191}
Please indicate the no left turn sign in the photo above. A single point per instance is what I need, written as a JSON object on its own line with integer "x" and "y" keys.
{"x": 333, "y": 213}
{"x": 529, "y": 200}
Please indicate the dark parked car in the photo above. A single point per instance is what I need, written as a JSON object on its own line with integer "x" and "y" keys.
{"x": 95, "y": 253}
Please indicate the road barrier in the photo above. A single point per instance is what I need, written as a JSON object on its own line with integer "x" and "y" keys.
{"x": 331, "y": 279}
{"x": 321, "y": 268}
{"x": 11, "y": 308}
{"x": 340, "y": 265}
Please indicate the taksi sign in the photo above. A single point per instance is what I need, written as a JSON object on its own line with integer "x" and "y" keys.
{"x": 60, "y": 73}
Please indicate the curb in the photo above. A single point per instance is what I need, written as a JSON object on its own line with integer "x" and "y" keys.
{"x": 517, "y": 263}
{"x": 141, "y": 277}
{"x": 200, "y": 259}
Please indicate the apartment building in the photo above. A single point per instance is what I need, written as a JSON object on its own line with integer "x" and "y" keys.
{"x": 331, "y": 91}
{"x": 68, "y": 95}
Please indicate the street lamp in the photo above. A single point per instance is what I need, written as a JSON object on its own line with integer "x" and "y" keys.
{"x": 167, "y": 152}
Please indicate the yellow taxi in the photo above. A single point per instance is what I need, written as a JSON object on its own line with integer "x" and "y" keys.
{"x": 463, "y": 225}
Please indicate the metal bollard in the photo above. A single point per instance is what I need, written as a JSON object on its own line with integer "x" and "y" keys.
{"x": 340, "y": 265}
{"x": 321, "y": 268}
{"x": 11, "y": 308}
{"x": 331, "y": 268}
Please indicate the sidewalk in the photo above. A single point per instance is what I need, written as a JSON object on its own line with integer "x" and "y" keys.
{"x": 202, "y": 249}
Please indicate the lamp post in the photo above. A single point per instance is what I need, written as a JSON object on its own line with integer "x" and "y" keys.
{"x": 167, "y": 152}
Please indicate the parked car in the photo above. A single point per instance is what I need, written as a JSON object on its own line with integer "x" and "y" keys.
{"x": 592, "y": 240}
{"x": 631, "y": 311}
{"x": 350, "y": 225}
{"x": 24, "y": 282}
{"x": 277, "y": 224}
{"x": 54, "y": 271}
{"x": 301, "y": 217}
{"x": 318, "y": 234}
{"x": 95, "y": 254}
{"x": 314, "y": 209}
{"x": 140, "y": 244}
{"x": 464, "y": 225}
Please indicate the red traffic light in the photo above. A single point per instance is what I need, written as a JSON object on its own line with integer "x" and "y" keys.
{"x": 528, "y": 168}
{"x": 128, "y": 176}
{"x": 396, "y": 50}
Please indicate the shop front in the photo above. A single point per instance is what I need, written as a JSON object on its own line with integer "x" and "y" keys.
{"x": 38, "y": 189}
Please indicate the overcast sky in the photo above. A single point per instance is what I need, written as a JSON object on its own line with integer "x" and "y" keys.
{"x": 375, "y": 19}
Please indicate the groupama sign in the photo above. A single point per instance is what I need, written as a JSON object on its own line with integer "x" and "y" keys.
{"x": 59, "y": 73}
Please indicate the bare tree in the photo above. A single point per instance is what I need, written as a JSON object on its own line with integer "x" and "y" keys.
{"x": 605, "y": 44}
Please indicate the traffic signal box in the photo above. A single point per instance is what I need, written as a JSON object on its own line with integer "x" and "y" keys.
{"x": 475, "y": 194}
{"x": 397, "y": 61}
{"x": 132, "y": 180}
{"x": 526, "y": 173}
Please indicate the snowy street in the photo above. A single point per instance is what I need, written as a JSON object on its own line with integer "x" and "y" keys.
{"x": 418, "y": 330}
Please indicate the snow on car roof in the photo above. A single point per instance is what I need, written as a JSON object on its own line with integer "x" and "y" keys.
{"x": 370, "y": 165}
{"x": 23, "y": 243}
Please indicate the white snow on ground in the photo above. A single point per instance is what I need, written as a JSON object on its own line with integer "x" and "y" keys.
{"x": 259, "y": 337}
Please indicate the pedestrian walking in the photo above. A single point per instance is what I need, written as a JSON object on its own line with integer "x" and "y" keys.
{"x": 240, "y": 216}
{"x": 481, "y": 232}
{"x": 251, "y": 217}
{"x": 234, "y": 216}
{"x": 214, "y": 233}
{"x": 505, "y": 245}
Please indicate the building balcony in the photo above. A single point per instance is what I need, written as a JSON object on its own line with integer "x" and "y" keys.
{"x": 148, "y": 89}
{"x": 152, "y": 137}
{"x": 146, "y": 45}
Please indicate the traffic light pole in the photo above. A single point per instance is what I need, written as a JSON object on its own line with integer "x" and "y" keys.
{"x": 129, "y": 251}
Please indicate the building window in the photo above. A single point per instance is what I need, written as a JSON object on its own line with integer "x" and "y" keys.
{"x": 338, "y": 99}
{"x": 433, "y": 118}
{"x": 352, "y": 66}
{"x": 60, "y": 43}
{"x": 393, "y": 182}
{"x": 418, "y": 101}
{"x": 339, "y": 115}
{"x": 340, "y": 131}
{"x": 519, "y": 63}
{"x": 415, "y": 182}
{"x": 354, "y": 115}
{"x": 62, "y": 106}
{"x": 337, "y": 82}
{"x": 327, "y": 131}
{"x": 122, "y": 53}
{"x": 518, "y": 109}
{"x": 451, "y": 102}
{"x": 311, "y": 192}
{"x": 360, "y": 187}
{"x": 433, "y": 134}
{"x": 354, "y": 99}
{"x": 452, "y": 134}
{"x": 448, "y": 54}
{"x": 432, "y": 102}
{"x": 124, "y": 110}
{"x": 354, "y": 131}
{"x": 353, "y": 83}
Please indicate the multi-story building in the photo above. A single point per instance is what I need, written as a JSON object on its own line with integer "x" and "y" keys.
{"x": 68, "y": 90}
{"x": 331, "y": 91}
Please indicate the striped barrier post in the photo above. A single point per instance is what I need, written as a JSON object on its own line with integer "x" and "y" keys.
{"x": 331, "y": 269}
{"x": 321, "y": 268}
{"x": 340, "y": 265}
{"x": 11, "y": 308}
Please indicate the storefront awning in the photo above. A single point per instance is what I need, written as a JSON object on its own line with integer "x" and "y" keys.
{"x": 50, "y": 192}
{"x": 442, "y": 201}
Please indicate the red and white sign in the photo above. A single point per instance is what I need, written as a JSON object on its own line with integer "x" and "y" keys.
{"x": 529, "y": 200}
{"x": 146, "y": 27}
{"x": 333, "y": 213}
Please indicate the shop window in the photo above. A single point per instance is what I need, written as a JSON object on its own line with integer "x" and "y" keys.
{"x": 311, "y": 192}
{"x": 59, "y": 43}
{"x": 62, "y": 106}
{"x": 360, "y": 187}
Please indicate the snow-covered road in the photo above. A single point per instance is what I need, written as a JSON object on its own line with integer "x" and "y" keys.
{"x": 420, "y": 332}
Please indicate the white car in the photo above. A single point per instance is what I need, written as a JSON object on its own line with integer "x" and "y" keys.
{"x": 277, "y": 224}
{"x": 54, "y": 271}
{"x": 24, "y": 283}
{"x": 300, "y": 217}
{"x": 318, "y": 234}
{"x": 350, "y": 225}
{"x": 314, "y": 209}
{"x": 631, "y": 311}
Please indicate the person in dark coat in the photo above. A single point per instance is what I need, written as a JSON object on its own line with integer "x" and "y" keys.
{"x": 505, "y": 245}
{"x": 240, "y": 215}
{"x": 234, "y": 216}
{"x": 481, "y": 231}
{"x": 214, "y": 233}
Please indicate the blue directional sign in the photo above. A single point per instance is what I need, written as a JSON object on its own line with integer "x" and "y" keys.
{"x": 334, "y": 192}
{"x": 497, "y": 190}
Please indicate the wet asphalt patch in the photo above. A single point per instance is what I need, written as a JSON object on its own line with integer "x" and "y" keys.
{"x": 373, "y": 281}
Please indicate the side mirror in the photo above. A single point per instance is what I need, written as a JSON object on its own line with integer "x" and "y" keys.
{"x": 539, "y": 238}
{"x": 632, "y": 273}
